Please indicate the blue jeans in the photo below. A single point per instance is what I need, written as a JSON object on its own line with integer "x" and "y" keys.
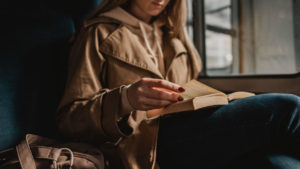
{"x": 256, "y": 132}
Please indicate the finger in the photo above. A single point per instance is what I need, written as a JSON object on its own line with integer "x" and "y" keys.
{"x": 154, "y": 103}
{"x": 162, "y": 95}
{"x": 162, "y": 84}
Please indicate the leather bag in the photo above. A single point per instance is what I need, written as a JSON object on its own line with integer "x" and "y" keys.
{"x": 37, "y": 152}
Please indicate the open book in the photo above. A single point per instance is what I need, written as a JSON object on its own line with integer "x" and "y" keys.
{"x": 196, "y": 96}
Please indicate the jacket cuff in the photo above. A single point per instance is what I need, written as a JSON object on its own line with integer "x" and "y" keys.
{"x": 126, "y": 107}
{"x": 111, "y": 114}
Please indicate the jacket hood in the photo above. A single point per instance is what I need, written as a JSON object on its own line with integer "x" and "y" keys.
{"x": 126, "y": 18}
{"x": 151, "y": 33}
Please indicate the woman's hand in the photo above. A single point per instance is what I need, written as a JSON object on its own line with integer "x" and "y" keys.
{"x": 149, "y": 93}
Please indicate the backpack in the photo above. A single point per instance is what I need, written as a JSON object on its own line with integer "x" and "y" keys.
{"x": 36, "y": 152}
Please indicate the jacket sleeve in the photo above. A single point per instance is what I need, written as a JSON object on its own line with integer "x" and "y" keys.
{"x": 126, "y": 106}
{"x": 87, "y": 111}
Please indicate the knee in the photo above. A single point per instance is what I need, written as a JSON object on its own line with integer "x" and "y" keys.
{"x": 285, "y": 113}
{"x": 287, "y": 108}
{"x": 280, "y": 106}
{"x": 283, "y": 101}
{"x": 290, "y": 102}
{"x": 292, "y": 107}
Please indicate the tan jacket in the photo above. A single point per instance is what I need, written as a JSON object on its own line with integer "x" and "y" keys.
{"x": 105, "y": 57}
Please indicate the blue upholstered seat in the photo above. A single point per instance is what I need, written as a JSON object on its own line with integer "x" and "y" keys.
{"x": 34, "y": 50}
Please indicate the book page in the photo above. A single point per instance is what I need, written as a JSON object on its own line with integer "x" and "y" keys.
{"x": 210, "y": 100}
{"x": 239, "y": 95}
{"x": 197, "y": 95}
{"x": 192, "y": 104}
{"x": 195, "y": 88}
{"x": 178, "y": 107}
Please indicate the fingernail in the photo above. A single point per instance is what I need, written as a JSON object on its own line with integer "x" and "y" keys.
{"x": 181, "y": 89}
{"x": 180, "y": 99}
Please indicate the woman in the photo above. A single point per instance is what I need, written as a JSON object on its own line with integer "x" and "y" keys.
{"x": 123, "y": 53}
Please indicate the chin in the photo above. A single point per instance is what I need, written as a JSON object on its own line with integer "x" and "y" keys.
{"x": 155, "y": 13}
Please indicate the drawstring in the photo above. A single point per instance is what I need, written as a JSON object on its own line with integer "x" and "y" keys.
{"x": 160, "y": 55}
{"x": 156, "y": 37}
{"x": 158, "y": 59}
{"x": 148, "y": 44}
{"x": 71, "y": 158}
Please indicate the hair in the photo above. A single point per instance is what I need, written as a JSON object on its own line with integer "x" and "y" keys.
{"x": 174, "y": 16}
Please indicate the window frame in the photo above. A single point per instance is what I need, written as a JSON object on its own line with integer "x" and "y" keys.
{"x": 239, "y": 14}
{"x": 280, "y": 83}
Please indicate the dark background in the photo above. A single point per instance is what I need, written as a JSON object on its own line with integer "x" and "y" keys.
{"x": 33, "y": 59}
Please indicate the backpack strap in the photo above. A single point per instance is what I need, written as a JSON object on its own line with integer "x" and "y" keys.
{"x": 25, "y": 155}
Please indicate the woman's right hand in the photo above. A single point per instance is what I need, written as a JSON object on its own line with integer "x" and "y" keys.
{"x": 149, "y": 93}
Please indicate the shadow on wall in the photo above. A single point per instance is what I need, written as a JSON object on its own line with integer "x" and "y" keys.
{"x": 33, "y": 64}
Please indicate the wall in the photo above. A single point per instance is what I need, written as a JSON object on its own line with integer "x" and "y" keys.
{"x": 274, "y": 37}
{"x": 297, "y": 31}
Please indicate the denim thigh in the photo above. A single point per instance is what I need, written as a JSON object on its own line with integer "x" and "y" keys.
{"x": 215, "y": 137}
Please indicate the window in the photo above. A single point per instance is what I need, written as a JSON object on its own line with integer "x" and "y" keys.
{"x": 248, "y": 37}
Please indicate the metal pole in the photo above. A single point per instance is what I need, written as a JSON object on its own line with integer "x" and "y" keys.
{"x": 199, "y": 31}
{"x": 241, "y": 37}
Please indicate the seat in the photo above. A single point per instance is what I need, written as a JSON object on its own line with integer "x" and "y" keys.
{"x": 33, "y": 63}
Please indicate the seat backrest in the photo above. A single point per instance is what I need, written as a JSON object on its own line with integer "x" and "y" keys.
{"x": 33, "y": 64}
